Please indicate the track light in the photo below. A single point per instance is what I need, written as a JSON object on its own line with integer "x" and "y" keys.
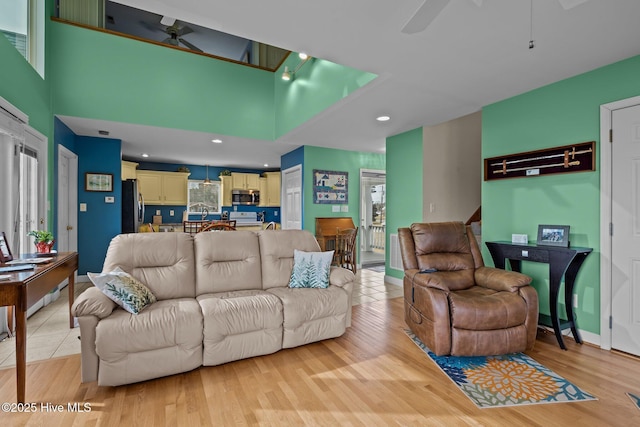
{"x": 288, "y": 74}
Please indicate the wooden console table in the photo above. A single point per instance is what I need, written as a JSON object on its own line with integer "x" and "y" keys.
{"x": 24, "y": 289}
{"x": 562, "y": 262}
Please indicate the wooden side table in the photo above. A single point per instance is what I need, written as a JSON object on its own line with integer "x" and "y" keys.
{"x": 563, "y": 262}
{"x": 24, "y": 289}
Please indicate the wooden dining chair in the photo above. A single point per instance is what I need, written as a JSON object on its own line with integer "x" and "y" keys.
{"x": 345, "y": 248}
{"x": 217, "y": 226}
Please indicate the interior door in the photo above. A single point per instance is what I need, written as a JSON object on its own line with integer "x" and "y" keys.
{"x": 67, "y": 236}
{"x": 291, "y": 203}
{"x": 625, "y": 214}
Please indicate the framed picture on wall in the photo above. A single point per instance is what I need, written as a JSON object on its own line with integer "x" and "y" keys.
{"x": 98, "y": 181}
{"x": 330, "y": 187}
{"x": 553, "y": 235}
{"x": 5, "y": 251}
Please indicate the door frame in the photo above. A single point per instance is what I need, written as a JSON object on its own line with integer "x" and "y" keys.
{"x": 606, "y": 170}
{"x": 283, "y": 192}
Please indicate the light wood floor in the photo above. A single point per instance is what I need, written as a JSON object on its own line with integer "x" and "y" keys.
{"x": 372, "y": 376}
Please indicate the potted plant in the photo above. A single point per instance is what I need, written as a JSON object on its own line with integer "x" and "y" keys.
{"x": 43, "y": 240}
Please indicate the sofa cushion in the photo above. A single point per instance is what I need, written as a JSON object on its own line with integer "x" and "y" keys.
{"x": 227, "y": 261}
{"x": 123, "y": 289}
{"x": 312, "y": 314}
{"x": 162, "y": 261}
{"x": 240, "y": 324}
{"x": 164, "y": 339}
{"x": 276, "y": 251}
{"x": 310, "y": 269}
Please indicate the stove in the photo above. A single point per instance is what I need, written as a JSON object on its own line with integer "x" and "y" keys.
{"x": 244, "y": 218}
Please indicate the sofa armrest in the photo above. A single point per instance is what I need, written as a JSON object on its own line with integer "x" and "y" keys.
{"x": 501, "y": 280}
{"x": 340, "y": 276}
{"x": 93, "y": 302}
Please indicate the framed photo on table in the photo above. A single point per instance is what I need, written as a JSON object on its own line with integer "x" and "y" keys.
{"x": 5, "y": 251}
{"x": 98, "y": 182}
{"x": 553, "y": 235}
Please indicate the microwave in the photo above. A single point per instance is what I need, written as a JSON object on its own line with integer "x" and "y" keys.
{"x": 245, "y": 197}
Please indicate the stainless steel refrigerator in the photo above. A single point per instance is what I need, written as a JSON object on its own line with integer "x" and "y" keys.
{"x": 132, "y": 207}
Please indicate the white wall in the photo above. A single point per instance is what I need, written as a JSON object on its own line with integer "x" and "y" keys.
{"x": 452, "y": 169}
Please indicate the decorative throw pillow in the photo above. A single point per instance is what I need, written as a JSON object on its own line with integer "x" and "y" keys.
{"x": 123, "y": 289}
{"x": 310, "y": 269}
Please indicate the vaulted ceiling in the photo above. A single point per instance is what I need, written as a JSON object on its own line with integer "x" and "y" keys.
{"x": 473, "y": 53}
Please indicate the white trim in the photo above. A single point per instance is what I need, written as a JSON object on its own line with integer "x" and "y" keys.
{"x": 393, "y": 280}
{"x": 13, "y": 111}
{"x": 606, "y": 112}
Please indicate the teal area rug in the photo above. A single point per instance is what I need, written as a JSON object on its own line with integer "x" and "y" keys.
{"x": 508, "y": 380}
{"x": 635, "y": 399}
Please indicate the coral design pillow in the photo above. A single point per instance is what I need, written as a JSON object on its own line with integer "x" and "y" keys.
{"x": 123, "y": 289}
{"x": 310, "y": 269}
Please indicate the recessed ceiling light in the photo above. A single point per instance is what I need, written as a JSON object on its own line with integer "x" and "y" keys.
{"x": 266, "y": 165}
{"x": 216, "y": 141}
{"x": 303, "y": 55}
{"x": 145, "y": 155}
{"x": 383, "y": 118}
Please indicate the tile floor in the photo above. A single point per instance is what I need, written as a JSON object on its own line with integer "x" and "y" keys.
{"x": 48, "y": 333}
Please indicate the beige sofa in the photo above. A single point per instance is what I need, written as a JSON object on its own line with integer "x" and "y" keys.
{"x": 222, "y": 296}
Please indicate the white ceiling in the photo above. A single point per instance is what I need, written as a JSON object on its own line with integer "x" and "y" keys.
{"x": 470, "y": 56}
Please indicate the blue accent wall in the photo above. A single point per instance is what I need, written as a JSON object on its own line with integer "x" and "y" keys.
{"x": 102, "y": 221}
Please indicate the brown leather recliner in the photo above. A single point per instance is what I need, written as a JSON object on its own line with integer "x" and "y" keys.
{"x": 461, "y": 307}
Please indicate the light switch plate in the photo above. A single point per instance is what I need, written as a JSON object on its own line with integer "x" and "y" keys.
{"x": 158, "y": 212}
{"x": 83, "y": 207}
{"x": 344, "y": 208}
{"x": 335, "y": 208}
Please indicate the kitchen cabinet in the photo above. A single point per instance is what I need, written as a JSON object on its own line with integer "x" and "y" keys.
{"x": 163, "y": 188}
{"x": 270, "y": 189}
{"x": 129, "y": 170}
{"x": 227, "y": 186}
{"x": 245, "y": 181}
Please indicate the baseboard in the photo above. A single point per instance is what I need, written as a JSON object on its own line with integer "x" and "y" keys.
{"x": 392, "y": 280}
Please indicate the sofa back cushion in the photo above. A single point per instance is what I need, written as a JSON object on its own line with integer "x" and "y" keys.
{"x": 164, "y": 262}
{"x": 276, "y": 250}
{"x": 227, "y": 261}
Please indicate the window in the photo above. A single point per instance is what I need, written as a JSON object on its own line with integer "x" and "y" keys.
{"x": 204, "y": 196}
{"x": 22, "y": 22}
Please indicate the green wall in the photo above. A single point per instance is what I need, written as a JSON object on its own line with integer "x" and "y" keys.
{"x": 102, "y": 76}
{"x": 335, "y": 160}
{"x": 317, "y": 85}
{"x": 404, "y": 185}
{"x": 562, "y": 113}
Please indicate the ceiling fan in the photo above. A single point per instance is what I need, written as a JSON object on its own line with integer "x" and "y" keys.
{"x": 430, "y": 10}
{"x": 175, "y": 30}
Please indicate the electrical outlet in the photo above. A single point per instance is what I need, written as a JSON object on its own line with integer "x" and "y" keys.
{"x": 158, "y": 212}
{"x": 575, "y": 300}
{"x": 171, "y": 212}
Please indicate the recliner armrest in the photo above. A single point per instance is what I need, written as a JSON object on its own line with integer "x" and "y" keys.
{"x": 500, "y": 280}
{"x": 430, "y": 280}
{"x": 93, "y": 302}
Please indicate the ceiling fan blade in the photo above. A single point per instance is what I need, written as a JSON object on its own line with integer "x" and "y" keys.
{"x": 570, "y": 4}
{"x": 425, "y": 14}
{"x": 190, "y": 46}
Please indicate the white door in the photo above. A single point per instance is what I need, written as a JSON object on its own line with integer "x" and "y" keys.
{"x": 67, "y": 235}
{"x": 625, "y": 214}
{"x": 291, "y": 200}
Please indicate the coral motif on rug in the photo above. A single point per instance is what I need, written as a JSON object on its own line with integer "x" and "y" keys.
{"x": 506, "y": 380}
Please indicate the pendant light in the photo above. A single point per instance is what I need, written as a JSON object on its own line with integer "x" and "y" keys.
{"x": 207, "y": 181}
